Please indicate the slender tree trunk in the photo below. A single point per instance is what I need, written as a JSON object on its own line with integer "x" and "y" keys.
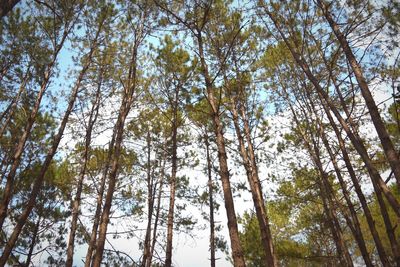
{"x": 8, "y": 113}
{"x": 353, "y": 223}
{"x": 271, "y": 257}
{"x": 112, "y": 180}
{"x": 387, "y": 145}
{"x": 158, "y": 209}
{"x": 360, "y": 195}
{"x": 259, "y": 204}
{"x": 16, "y": 159}
{"x": 210, "y": 199}
{"x": 150, "y": 205}
{"x": 237, "y": 252}
{"x": 33, "y": 242}
{"x": 170, "y": 221}
{"x": 326, "y": 196}
{"x": 77, "y": 201}
{"x": 6, "y": 6}
{"x": 99, "y": 202}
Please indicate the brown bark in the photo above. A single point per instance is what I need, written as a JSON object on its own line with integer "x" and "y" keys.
{"x": 8, "y": 113}
{"x": 158, "y": 208}
{"x": 353, "y": 223}
{"x": 126, "y": 104}
{"x": 112, "y": 178}
{"x": 16, "y": 159}
{"x": 6, "y": 6}
{"x": 33, "y": 242}
{"x": 197, "y": 29}
{"x": 360, "y": 195}
{"x": 387, "y": 145}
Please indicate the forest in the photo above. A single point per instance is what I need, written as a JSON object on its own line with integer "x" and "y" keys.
{"x": 266, "y": 132}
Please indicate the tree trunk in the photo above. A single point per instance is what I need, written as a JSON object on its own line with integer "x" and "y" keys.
{"x": 354, "y": 223}
{"x": 99, "y": 202}
{"x": 150, "y": 204}
{"x": 360, "y": 195}
{"x": 237, "y": 252}
{"x": 112, "y": 179}
{"x": 77, "y": 201}
{"x": 326, "y": 196}
{"x": 210, "y": 199}
{"x": 158, "y": 209}
{"x": 252, "y": 176}
{"x": 33, "y": 242}
{"x": 387, "y": 145}
{"x": 170, "y": 221}
{"x": 7, "y": 114}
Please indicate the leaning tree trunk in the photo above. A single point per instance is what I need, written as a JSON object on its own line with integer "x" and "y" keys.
{"x": 33, "y": 242}
{"x": 328, "y": 203}
{"x": 353, "y": 223}
{"x": 358, "y": 190}
{"x": 387, "y": 145}
{"x": 356, "y": 141}
{"x": 112, "y": 179}
{"x": 99, "y": 202}
{"x": 158, "y": 207}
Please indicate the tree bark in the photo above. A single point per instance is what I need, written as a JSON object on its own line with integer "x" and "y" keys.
{"x": 357, "y": 188}
{"x": 326, "y": 195}
{"x": 353, "y": 223}
{"x": 112, "y": 178}
{"x": 158, "y": 209}
{"x": 33, "y": 242}
{"x": 99, "y": 202}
